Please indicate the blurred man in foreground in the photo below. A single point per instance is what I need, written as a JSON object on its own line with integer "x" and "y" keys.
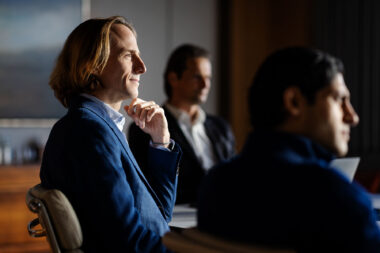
{"x": 281, "y": 191}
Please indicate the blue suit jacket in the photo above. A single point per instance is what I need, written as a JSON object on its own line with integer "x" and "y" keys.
{"x": 89, "y": 160}
{"x": 281, "y": 191}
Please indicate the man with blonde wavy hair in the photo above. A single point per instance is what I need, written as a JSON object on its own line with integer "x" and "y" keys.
{"x": 87, "y": 156}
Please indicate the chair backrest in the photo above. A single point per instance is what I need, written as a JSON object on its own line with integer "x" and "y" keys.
{"x": 57, "y": 218}
{"x": 192, "y": 240}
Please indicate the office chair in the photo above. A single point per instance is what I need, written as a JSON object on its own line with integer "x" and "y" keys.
{"x": 57, "y": 218}
{"x": 192, "y": 240}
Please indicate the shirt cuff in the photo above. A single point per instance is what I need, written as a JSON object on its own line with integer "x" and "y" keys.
{"x": 170, "y": 148}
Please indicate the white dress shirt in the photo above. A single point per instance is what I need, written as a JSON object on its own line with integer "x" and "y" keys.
{"x": 116, "y": 116}
{"x": 119, "y": 119}
{"x": 195, "y": 134}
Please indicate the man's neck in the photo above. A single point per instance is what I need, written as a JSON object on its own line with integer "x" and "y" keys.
{"x": 114, "y": 103}
{"x": 190, "y": 109}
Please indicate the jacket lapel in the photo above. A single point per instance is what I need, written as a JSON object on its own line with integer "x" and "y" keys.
{"x": 100, "y": 112}
{"x": 211, "y": 131}
{"x": 177, "y": 135}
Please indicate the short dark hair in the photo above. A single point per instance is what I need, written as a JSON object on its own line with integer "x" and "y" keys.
{"x": 178, "y": 60}
{"x": 308, "y": 69}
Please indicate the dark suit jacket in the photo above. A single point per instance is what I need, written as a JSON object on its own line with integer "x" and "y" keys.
{"x": 89, "y": 160}
{"x": 191, "y": 171}
{"x": 281, "y": 191}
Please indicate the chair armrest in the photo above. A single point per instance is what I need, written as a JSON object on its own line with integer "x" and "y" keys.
{"x": 35, "y": 232}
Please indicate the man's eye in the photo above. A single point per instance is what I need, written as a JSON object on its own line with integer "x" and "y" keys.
{"x": 339, "y": 98}
{"x": 342, "y": 100}
{"x": 198, "y": 78}
{"x": 128, "y": 54}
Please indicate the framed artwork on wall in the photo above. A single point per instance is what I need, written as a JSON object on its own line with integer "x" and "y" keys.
{"x": 32, "y": 35}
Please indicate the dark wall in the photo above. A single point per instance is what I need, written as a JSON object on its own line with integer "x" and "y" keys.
{"x": 250, "y": 31}
{"x": 350, "y": 30}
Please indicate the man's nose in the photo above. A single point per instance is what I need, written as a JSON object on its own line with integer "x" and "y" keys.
{"x": 350, "y": 115}
{"x": 139, "y": 66}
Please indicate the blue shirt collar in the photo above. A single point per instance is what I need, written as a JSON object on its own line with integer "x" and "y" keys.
{"x": 116, "y": 116}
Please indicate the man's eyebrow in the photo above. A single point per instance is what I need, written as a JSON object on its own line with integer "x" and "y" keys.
{"x": 132, "y": 51}
{"x": 342, "y": 93}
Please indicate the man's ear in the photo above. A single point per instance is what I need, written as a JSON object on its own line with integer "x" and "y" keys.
{"x": 294, "y": 101}
{"x": 172, "y": 78}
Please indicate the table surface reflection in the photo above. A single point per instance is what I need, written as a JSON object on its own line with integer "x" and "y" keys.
{"x": 185, "y": 216}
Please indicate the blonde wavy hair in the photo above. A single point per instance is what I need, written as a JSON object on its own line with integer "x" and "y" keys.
{"x": 85, "y": 52}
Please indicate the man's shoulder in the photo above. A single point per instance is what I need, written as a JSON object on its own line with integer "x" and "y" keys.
{"x": 169, "y": 116}
{"x": 84, "y": 115}
{"x": 215, "y": 118}
{"x": 217, "y": 123}
{"x": 82, "y": 122}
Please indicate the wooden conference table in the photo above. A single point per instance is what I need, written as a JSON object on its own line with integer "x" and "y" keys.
{"x": 185, "y": 216}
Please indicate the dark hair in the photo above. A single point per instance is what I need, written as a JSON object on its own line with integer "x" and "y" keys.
{"x": 177, "y": 62}
{"x": 308, "y": 69}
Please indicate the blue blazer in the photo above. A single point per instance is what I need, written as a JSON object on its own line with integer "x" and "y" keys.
{"x": 89, "y": 160}
{"x": 281, "y": 191}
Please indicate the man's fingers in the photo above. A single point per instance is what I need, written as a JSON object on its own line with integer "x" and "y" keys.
{"x": 142, "y": 111}
{"x": 126, "y": 109}
{"x": 151, "y": 113}
{"x": 131, "y": 107}
{"x": 139, "y": 106}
